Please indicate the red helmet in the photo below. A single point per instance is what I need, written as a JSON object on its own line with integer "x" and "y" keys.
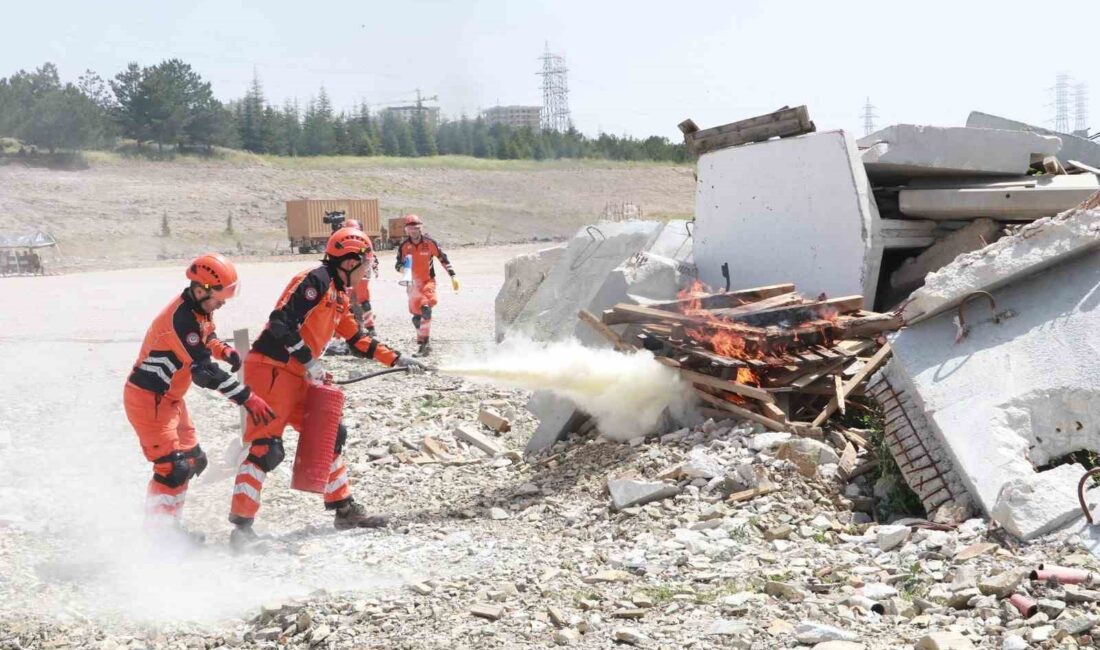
{"x": 216, "y": 273}
{"x": 348, "y": 241}
{"x": 353, "y": 223}
{"x": 413, "y": 220}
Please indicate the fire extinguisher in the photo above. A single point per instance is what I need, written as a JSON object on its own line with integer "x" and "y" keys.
{"x": 317, "y": 442}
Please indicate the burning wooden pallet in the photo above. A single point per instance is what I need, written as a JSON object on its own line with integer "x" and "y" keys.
{"x": 767, "y": 354}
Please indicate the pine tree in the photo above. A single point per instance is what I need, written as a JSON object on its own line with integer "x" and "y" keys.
{"x": 423, "y": 136}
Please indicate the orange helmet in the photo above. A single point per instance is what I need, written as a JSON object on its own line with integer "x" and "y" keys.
{"x": 353, "y": 223}
{"x": 413, "y": 220}
{"x": 348, "y": 241}
{"x": 216, "y": 273}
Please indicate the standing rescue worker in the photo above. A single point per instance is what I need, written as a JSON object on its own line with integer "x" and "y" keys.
{"x": 422, "y": 295}
{"x": 180, "y": 348}
{"x": 313, "y": 307}
{"x": 361, "y": 306}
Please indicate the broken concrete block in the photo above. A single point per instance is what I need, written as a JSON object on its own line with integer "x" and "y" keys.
{"x": 905, "y": 151}
{"x": 1042, "y": 196}
{"x": 495, "y": 421}
{"x": 944, "y": 641}
{"x": 768, "y": 440}
{"x": 701, "y": 465}
{"x": 1035, "y": 247}
{"x": 491, "y": 612}
{"x": 557, "y": 416}
{"x": 523, "y": 275}
{"x": 1035, "y": 505}
{"x": 470, "y": 436}
{"x": 807, "y": 454}
{"x": 975, "y": 235}
{"x": 1073, "y": 147}
{"x": 1021, "y": 385}
{"x": 632, "y": 492}
{"x": 889, "y": 537}
{"x": 551, "y": 312}
{"x": 796, "y": 210}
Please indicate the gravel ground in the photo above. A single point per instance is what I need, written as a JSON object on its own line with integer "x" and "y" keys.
{"x": 485, "y": 552}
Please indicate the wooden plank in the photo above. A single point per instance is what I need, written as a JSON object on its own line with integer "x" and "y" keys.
{"x": 475, "y": 438}
{"x": 838, "y": 385}
{"x": 604, "y": 331}
{"x": 817, "y": 373}
{"x": 861, "y": 376}
{"x": 727, "y": 385}
{"x": 436, "y": 448}
{"x": 781, "y": 300}
{"x": 751, "y": 493}
{"x": 740, "y": 412}
{"x": 774, "y": 412}
{"x": 785, "y": 113}
{"x": 726, "y": 298}
{"x": 782, "y": 123}
{"x": 799, "y": 313}
{"x": 867, "y": 326}
{"x": 494, "y": 420}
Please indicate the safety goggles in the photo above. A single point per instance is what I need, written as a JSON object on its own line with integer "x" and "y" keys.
{"x": 224, "y": 292}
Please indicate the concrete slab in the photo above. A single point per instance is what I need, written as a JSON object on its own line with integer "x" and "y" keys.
{"x": 1073, "y": 147}
{"x": 1034, "y": 247}
{"x": 1041, "y": 503}
{"x": 904, "y": 151}
{"x": 1015, "y": 395}
{"x": 523, "y": 275}
{"x": 1047, "y": 197}
{"x": 796, "y": 210}
{"x": 976, "y": 235}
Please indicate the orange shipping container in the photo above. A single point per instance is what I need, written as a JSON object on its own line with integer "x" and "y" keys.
{"x": 305, "y": 224}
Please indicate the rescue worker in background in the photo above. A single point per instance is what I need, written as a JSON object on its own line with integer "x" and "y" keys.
{"x": 361, "y": 298}
{"x": 179, "y": 348}
{"x": 422, "y": 296}
{"x": 286, "y": 356}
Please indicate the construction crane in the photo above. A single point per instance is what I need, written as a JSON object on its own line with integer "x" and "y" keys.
{"x": 419, "y": 101}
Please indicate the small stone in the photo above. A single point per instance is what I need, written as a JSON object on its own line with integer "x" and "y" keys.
{"x": 421, "y": 588}
{"x": 1041, "y": 633}
{"x": 729, "y": 628}
{"x": 839, "y": 645}
{"x": 556, "y": 616}
{"x": 779, "y": 627}
{"x": 632, "y": 492}
{"x": 784, "y": 590}
{"x": 1051, "y": 608}
{"x": 304, "y": 621}
{"x": 701, "y": 465}
{"x": 974, "y": 550}
{"x": 1001, "y": 585}
{"x": 642, "y": 600}
{"x": 491, "y": 612}
{"x": 612, "y": 575}
{"x": 498, "y": 514}
{"x": 879, "y": 591}
{"x": 527, "y": 490}
{"x": 888, "y": 537}
{"x": 566, "y": 637}
{"x": 268, "y": 633}
{"x": 1014, "y": 642}
{"x": 769, "y": 440}
{"x": 782, "y": 531}
{"x": 1076, "y": 625}
{"x": 319, "y": 634}
{"x": 1075, "y": 594}
{"x": 629, "y": 613}
{"x": 811, "y": 632}
{"x": 628, "y": 635}
{"x": 944, "y": 641}
{"x": 961, "y": 599}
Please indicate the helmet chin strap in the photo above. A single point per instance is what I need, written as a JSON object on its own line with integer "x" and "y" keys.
{"x": 341, "y": 283}
{"x": 201, "y": 302}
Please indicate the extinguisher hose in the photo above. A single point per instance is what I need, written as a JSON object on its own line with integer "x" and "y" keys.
{"x": 379, "y": 373}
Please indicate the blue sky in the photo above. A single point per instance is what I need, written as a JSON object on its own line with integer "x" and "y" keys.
{"x": 636, "y": 68}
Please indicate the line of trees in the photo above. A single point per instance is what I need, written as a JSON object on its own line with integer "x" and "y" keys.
{"x": 170, "y": 105}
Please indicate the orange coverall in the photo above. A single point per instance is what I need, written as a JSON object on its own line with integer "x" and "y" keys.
{"x": 179, "y": 348}
{"x": 422, "y": 294}
{"x": 310, "y": 310}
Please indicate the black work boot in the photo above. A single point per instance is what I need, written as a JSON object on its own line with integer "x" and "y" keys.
{"x": 355, "y": 515}
{"x": 424, "y": 350}
{"x": 243, "y": 538}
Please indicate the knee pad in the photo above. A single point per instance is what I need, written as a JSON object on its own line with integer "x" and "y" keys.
{"x": 416, "y": 322}
{"x": 178, "y": 470}
{"x": 341, "y": 438}
{"x": 196, "y": 459}
{"x": 269, "y": 459}
{"x": 426, "y": 312}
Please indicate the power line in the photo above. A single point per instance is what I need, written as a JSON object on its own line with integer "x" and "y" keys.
{"x": 555, "y": 92}
{"x": 1061, "y": 103}
{"x": 1081, "y": 108}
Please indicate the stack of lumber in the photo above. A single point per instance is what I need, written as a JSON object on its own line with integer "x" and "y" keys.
{"x": 767, "y": 354}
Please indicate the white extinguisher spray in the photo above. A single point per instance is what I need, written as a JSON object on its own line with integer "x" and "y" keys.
{"x": 407, "y": 272}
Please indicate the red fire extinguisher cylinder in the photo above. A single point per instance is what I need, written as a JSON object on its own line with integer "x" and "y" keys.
{"x": 317, "y": 442}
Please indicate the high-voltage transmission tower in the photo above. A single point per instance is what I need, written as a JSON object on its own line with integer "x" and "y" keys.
{"x": 555, "y": 92}
{"x": 1061, "y": 103}
{"x": 1081, "y": 109}
{"x": 869, "y": 116}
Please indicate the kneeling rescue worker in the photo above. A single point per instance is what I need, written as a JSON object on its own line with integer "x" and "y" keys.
{"x": 286, "y": 356}
{"x": 180, "y": 348}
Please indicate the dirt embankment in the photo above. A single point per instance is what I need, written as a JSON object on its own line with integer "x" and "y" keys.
{"x": 112, "y": 212}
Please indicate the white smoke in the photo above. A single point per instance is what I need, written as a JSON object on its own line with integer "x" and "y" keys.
{"x": 625, "y": 392}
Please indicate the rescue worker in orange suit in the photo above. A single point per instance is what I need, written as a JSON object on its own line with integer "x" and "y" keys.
{"x": 180, "y": 348}
{"x": 361, "y": 306}
{"x": 286, "y": 355}
{"x": 422, "y": 296}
